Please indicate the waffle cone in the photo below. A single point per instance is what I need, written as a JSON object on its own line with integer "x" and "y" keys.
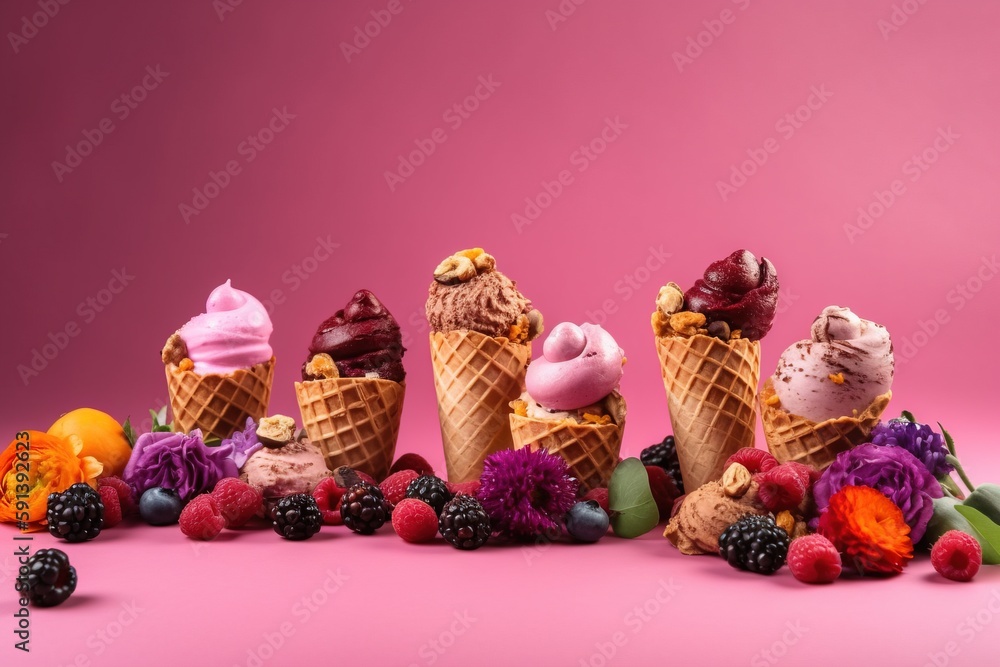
{"x": 794, "y": 438}
{"x": 476, "y": 377}
{"x": 218, "y": 404}
{"x": 590, "y": 450}
{"x": 711, "y": 394}
{"x": 355, "y": 421}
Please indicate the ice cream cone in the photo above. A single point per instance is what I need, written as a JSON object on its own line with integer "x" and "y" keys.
{"x": 355, "y": 421}
{"x": 218, "y": 404}
{"x": 590, "y": 450}
{"x": 794, "y": 438}
{"x": 476, "y": 378}
{"x": 711, "y": 389}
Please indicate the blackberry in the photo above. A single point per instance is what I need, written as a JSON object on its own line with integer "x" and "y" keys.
{"x": 755, "y": 543}
{"x": 464, "y": 523}
{"x": 47, "y": 579}
{"x": 364, "y": 508}
{"x": 664, "y": 455}
{"x": 76, "y": 514}
{"x": 430, "y": 489}
{"x": 296, "y": 517}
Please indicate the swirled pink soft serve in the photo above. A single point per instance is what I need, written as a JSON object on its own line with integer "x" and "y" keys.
{"x": 231, "y": 334}
{"x": 579, "y": 366}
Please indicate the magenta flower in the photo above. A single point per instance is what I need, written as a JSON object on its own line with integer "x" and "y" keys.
{"x": 526, "y": 493}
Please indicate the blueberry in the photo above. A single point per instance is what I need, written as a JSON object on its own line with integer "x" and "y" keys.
{"x": 586, "y": 521}
{"x": 160, "y": 507}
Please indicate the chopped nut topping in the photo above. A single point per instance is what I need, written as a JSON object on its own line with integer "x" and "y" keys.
{"x": 174, "y": 350}
{"x": 322, "y": 366}
{"x": 185, "y": 365}
{"x": 687, "y": 323}
{"x": 836, "y": 378}
{"x": 736, "y": 480}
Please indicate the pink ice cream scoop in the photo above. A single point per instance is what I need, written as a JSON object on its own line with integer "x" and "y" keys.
{"x": 579, "y": 366}
{"x": 842, "y": 369}
{"x": 231, "y": 334}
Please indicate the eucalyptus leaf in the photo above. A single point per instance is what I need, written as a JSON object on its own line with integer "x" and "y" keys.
{"x": 633, "y": 508}
{"x": 987, "y": 532}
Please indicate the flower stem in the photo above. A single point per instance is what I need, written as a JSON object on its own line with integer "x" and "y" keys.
{"x": 961, "y": 471}
{"x": 950, "y": 488}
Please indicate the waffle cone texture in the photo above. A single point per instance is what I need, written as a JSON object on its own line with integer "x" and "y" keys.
{"x": 219, "y": 404}
{"x": 476, "y": 377}
{"x": 590, "y": 450}
{"x": 355, "y": 421}
{"x": 794, "y": 438}
{"x": 711, "y": 390}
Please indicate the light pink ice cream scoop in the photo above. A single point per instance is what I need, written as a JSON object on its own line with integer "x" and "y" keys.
{"x": 579, "y": 366}
{"x": 232, "y": 333}
{"x": 846, "y": 364}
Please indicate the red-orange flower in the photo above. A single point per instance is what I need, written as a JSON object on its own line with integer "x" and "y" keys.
{"x": 36, "y": 464}
{"x": 869, "y": 529}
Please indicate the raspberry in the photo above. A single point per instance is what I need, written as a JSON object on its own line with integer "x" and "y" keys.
{"x": 112, "y": 507}
{"x": 202, "y": 519}
{"x": 469, "y": 488}
{"x": 957, "y": 556}
{"x": 663, "y": 488}
{"x": 782, "y": 487}
{"x": 601, "y": 496}
{"x": 126, "y": 494}
{"x": 414, "y": 520}
{"x": 413, "y": 462}
{"x": 754, "y": 460}
{"x": 327, "y": 495}
{"x": 394, "y": 486}
{"x": 238, "y": 501}
{"x": 814, "y": 560}
{"x": 808, "y": 474}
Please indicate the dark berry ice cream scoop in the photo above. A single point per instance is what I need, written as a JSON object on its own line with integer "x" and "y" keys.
{"x": 363, "y": 340}
{"x": 738, "y": 290}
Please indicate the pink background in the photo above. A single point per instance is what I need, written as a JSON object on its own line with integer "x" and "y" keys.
{"x": 886, "y": 95}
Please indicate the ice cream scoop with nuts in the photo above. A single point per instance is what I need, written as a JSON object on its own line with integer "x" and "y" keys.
{"x": 362, "y": 339}
{"x": 736, "y": 298}
{"x": 469, "y": 293}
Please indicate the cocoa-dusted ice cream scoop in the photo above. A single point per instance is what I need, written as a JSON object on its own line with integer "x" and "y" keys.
{"x": 739, "y": 290}
{"x": 845, "y": 364}
{"x": 363, "y": 339}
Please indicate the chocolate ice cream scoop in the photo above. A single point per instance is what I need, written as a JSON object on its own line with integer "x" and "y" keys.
{"x": 738, "y": 290}
{"x": 469, "y": 293}
{"x": 363, "y": 340}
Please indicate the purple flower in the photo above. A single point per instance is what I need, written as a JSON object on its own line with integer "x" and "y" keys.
{"x": 894, "y": 472}
{"x": 918, "y": 439}
{"x": 526, "y": 493}
{"x": 179, "y": 462}
{"x": 245, "y": 443}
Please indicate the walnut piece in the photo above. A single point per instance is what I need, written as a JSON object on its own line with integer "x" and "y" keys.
{"x": 455, "y": 269}
{"x": 687, "y": 323}
{"x": 276, "y": 431}
{"x": 174, "y": 350}
{"x": 736, "y": 480}
{"x": 322, "y": 366}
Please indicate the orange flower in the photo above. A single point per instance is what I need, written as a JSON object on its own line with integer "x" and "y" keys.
{"x": 868, "y": 529}
{"x": 36, "y": 464}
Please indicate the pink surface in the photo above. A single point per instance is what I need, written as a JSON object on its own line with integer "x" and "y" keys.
{"x": 851, "y": 143}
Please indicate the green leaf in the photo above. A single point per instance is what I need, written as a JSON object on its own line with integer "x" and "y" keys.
{"x": 633, "y": 509}
{"x": 130, "y": 433}
{"x": 908, "y": 416}
{"x": 948, "y": 440}
{"x": 987, "y": 532}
